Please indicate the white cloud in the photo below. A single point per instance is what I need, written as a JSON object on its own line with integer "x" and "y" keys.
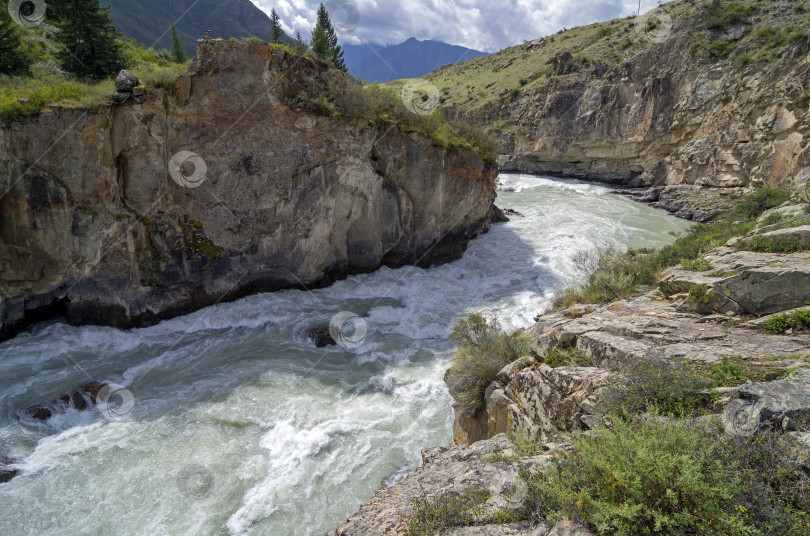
{"x": 477, "y": 24}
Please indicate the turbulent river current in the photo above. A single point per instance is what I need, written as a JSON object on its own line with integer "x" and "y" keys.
{"x": 238, "y": 426}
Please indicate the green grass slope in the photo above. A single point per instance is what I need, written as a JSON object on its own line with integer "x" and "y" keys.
{"x": 148, "y": 21}
{"x": 768, "y": 25}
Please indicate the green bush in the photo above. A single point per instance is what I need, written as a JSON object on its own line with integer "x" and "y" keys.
{"x": 721, "y": 48}
{"x": 697, "y": 265}
{"x": 801, "y": 318}
{"x": 728, "y": 373}
{"x": 724, "y": 15}
{"x": 604, "y": 31}
{"x": 670, "y": 477}
{"x": 347, "y": 98}
{"x": 23, "y": 96}
{"x": 570, "y": 357}
{"x": 774, "y": 244}
{"x": 434, "y": 516}
{"x": 673, "y": 386}
{"x": 782, "y": 322}
{"x": 750, "y": 206}
{"x": 697, "y": 293}
{"x": 484, "y": 349}
{"x": 777, "y": 323}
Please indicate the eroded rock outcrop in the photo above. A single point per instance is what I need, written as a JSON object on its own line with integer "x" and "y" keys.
{"x": 265, "y": 195}
{"x": 534, "y": 400}
{"x": 491, "y": 467}
{"x": 668, "y": 115}
{"x": 537, "y": 401}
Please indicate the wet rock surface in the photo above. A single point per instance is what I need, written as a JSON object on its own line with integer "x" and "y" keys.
{"x": 80, "y": 399}
{"x": 6, "y": 471}
{"x": 320, "y": 337}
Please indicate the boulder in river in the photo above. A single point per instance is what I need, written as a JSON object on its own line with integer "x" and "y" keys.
{"x": 6, "y": 471}
{"x": 320, "y": 336}
{"x": 80, "y": 399}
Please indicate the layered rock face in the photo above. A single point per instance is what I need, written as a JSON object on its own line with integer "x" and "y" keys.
{"x": 667, "y": 117}
{"x": 531, "y": 399}
{"x": 266, "y": 195}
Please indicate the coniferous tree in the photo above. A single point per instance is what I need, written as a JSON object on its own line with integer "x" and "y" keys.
{"x": 299, "y": 44}
{"x": 335, "y": 53}
{"x": 13, "y": 58}
{"x": 276, "y": 33}
{"x": 320, "y": 43}
{"x": 178, "y": 53}
{"x": 91, "y": 47}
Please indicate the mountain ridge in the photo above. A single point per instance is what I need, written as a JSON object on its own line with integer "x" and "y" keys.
{"x": 410, "y": 59}
{"x": 149, "y": 21}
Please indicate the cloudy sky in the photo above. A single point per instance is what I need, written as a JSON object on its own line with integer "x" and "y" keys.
{"x": 478, "y": 24}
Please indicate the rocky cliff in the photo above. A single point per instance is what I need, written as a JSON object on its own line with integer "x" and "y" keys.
{"x": 689, "y": 95}
{"x": 168, "y": 201}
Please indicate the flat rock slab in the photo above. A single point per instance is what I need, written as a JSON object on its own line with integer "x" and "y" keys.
{"x": 746, "y": 281}
{"x": 634, "y": 328}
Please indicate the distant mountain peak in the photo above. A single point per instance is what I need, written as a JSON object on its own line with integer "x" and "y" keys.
{"x": 410, "y": 59}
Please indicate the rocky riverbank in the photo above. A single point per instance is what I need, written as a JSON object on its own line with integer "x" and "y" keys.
{"x": 736, "y": 309}
{"x": 223, "y": 184}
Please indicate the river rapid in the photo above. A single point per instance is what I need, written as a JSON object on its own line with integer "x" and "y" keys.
{"x": 239, "y": 426}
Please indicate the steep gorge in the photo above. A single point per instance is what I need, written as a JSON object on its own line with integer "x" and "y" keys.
{"x": 93, "y": 227}
{"x": 664, "y": 108}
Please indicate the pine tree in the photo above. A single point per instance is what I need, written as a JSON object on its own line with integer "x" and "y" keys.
{"x": 91, "y": 47}
{"x": 299, "y": 44}
{"x": 320, "y": 43}
{"x": 13, "y": 59}
{"x": 178, "y": 53}
{"x": 335, "y": 53}
{"x": 276, "y": 33}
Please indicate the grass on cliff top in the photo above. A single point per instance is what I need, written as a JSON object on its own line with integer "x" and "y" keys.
{"x": 343, "y": 96}
{"x": 620, "y": 276}
{"x": 27, "y": 95}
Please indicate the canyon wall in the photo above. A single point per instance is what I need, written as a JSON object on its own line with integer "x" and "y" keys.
{"x": 265, "y": 195}
{"x": 668, "y": 115}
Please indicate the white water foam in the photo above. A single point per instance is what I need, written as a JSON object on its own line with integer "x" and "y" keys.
{"x": 241, "y": 427}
